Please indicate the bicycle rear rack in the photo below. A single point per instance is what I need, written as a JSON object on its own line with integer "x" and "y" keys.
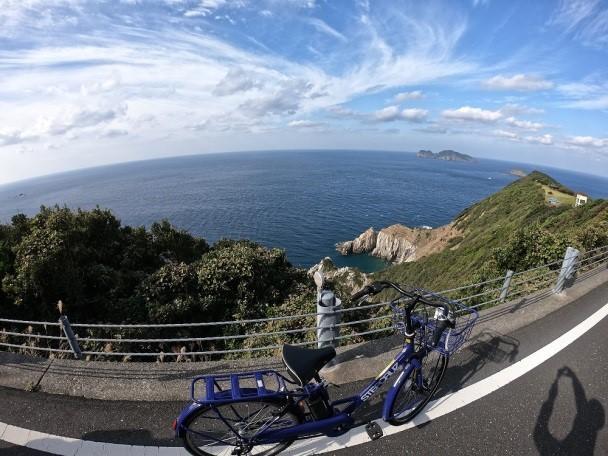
{"x": 238, "y": 386}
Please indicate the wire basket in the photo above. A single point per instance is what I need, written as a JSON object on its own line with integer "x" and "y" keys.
{"x": 452, "y": 339}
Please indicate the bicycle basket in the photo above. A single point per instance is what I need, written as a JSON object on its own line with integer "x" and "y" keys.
{"x": 452, "y": 339}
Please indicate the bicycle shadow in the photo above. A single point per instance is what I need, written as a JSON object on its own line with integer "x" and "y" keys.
{"x": 589, "y": 420}
{"x": 486, "y": 347}
{"x": 94, "y": 443}
{"x": 137, "y": 437}
{"x": 15, "y": 450}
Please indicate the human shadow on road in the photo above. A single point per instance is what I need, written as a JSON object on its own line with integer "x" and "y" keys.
{"x": 589, "y": 420}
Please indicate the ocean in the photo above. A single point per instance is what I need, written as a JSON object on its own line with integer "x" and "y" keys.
{"x": 300, "y": 201}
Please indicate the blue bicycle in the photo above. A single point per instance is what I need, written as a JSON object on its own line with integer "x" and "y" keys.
{"x": 264, "y": 412}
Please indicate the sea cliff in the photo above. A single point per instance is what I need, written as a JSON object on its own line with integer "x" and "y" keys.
{"x": 399, "y": 243}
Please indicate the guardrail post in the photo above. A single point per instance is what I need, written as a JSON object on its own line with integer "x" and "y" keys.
{"x": 568, "y": 270}
{"x": 504, "y": 292}
{"x": 327, "y": 318}
{"x": 69, "y": 334}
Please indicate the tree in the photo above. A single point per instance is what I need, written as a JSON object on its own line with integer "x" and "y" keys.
{"x": 530, "y": 247}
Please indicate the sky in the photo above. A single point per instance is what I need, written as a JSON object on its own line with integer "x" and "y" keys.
{"x": 87, "y": 83}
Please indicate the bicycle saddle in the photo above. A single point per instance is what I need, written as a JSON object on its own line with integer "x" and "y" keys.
{"x": 304, "y": 363}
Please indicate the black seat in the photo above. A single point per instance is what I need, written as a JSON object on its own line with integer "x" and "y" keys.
{"x": 304, "y": 363}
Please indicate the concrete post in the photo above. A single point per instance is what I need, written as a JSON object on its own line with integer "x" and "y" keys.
{"x": 568, "y": 270}
{"x": 327, "y": 318}
{"x": 69, "y": 334}
{"x": 506, "y": 285}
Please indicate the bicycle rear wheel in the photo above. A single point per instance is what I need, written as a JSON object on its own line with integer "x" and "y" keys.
{"x": 417, "y": 390}
{"x": 228, "y": 429}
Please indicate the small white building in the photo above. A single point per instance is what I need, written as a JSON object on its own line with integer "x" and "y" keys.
{"x": 581, "y": 199}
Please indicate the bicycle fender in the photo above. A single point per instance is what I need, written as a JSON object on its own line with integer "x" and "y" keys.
{"x": 413, "y": 363}
{"x": 178, "y": 425}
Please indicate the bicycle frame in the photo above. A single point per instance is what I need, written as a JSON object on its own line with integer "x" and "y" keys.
{"x": 406, "y": 360}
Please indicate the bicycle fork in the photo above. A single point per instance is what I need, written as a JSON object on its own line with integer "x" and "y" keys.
{"x": 411, "y": 368}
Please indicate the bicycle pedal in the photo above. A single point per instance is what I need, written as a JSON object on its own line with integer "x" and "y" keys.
{"x": 374, "y": 431}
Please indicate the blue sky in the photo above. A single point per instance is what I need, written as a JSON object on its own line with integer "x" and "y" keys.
{"x": 85, "y": 83}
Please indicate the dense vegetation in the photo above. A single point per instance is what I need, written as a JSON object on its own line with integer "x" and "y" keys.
{"x": 105, "y": 272}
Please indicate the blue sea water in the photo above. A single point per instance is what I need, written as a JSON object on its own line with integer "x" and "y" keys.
{"x": 302, "y": 201}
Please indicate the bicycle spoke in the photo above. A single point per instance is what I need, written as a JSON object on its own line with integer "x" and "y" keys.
{"x": 218, "y": 430}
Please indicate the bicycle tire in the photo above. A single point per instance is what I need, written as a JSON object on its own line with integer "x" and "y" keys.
{"x": 192, "y": 447}
{"x": 435, "y": 373}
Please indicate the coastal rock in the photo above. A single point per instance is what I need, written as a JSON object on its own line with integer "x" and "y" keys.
{"x": 346, "y": 281}
{"x": 365, "y": 243}
{"x": 399, "y": 243}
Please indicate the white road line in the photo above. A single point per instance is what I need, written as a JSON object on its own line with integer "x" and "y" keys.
{"x": 65, "y": 446}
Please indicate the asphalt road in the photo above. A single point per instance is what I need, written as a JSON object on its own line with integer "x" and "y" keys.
{"x": 557, "y": 408}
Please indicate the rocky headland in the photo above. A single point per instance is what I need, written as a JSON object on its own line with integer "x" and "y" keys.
{"x": 399, "y": 243}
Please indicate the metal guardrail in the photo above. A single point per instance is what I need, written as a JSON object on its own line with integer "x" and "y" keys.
{"x": 550, "y": 276}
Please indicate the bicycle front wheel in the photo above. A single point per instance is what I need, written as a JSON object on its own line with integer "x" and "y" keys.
{"x": 231, "y": 428}
{"x": 417, "y": 390}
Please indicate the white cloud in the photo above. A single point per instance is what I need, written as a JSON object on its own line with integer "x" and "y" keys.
{"x": 468, "y": 113}
{"x": 590, "y": 94}
{"x": 8, "y": 138}
{"x": 546, "y": 139}
{"x": 114, "y": 133}
{"x": 392, "y": 113}
{"x": 388, "y": 114}
{"x": 514, "y": 109}
{"x": 204, "y": 8}
{"x": 77, "y": 118}
{"x": 325, "y": 28}
{"x": 414, "y": 114}
{"x": 405, "y": 96}
{"x": 594, "y": 103}
{"x": 588, "y": 141}
{"x": 524, "y": 124}
{"x": 585, "y": 20}
{"x": 518, "y": 82}
{"x": 305, "y": 124}
{"x": 506, "y": 134}
{"x": 571, "y": 13}
{"x": 237, "y": 80}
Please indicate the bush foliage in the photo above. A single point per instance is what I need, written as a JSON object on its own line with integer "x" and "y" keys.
{"x": 103, "y": 271}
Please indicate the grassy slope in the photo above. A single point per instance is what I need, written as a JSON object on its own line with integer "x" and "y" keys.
{"x": 487, "y": 225}
{"x": 563, "y": 198}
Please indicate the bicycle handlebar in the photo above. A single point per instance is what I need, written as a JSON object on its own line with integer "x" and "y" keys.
{"x": 443, "y": 321}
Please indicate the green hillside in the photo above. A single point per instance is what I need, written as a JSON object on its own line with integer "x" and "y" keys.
{"x": 513, "y": 229}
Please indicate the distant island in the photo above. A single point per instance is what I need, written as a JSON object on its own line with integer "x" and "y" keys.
{"x": 450, "y": 155}
{"x": 518, "y": 172}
